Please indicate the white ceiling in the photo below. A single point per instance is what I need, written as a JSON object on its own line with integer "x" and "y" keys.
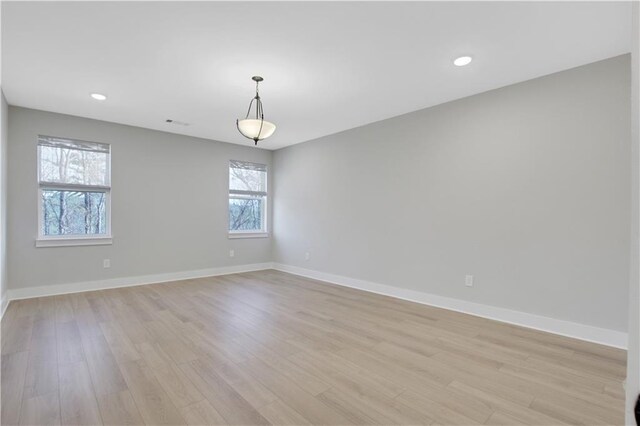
{"x": 328, "y": 66}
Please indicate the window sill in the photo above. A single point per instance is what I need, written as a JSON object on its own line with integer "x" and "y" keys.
{"x": 69, "y": 242}
{"x": 233, "y": 235}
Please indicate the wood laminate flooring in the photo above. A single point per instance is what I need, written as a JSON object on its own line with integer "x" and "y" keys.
{"x": 272, "y": 348}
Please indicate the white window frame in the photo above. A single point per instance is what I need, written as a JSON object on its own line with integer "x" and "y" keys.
{"x": 78, "y": 239}
{"x": 236, "y": 194}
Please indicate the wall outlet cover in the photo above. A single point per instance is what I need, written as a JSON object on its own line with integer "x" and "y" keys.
{"x": 468, "y": 280}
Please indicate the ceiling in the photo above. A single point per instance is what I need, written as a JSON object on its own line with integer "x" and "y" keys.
{"x": 328, "y": 66}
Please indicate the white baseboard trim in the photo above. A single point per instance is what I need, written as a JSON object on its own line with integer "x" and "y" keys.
{"x": 52, "y": 290}
{"x": 4, "y": 302}
{"x": 589, "y": 333}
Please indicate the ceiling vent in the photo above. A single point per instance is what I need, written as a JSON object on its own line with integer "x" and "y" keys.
{"x": 176, "y": 122}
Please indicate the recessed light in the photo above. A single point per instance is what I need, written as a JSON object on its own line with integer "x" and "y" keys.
{"x": 98, "y": 96}
{"x": 462, "y": 61}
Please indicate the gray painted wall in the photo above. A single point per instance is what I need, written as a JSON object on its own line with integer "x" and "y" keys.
{"x": 525, "y": 187}
{"x": 633, "y": 351}
{"x": 188, "y": 232}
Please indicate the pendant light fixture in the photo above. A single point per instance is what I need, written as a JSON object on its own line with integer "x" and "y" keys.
{"x": 255, "y": 128}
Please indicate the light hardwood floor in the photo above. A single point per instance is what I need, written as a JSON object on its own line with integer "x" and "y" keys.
{"x": 272, "y": 348}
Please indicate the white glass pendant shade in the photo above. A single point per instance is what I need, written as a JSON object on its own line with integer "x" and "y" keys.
{"x": 250, "y": 128}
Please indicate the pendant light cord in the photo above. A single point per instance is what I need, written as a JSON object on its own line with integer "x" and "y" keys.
{"x": 259, "y": 110}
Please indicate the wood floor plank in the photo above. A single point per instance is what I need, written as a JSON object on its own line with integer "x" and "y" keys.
{"x": 134, "y": 329}
{"x": 14, "y": 367}
{"x": 339, "y": 372}
{"x": 46, "y": 309}
{"x": 278, "y": 413}
{"x": 615, "y": 390}
{"x": 202, "y": 413}
{"x": 179, "y": 388}
{"x": 78, "y": 405}
{"x": 105, "y": 373}
{"x": 564, "y": 385}
{"x": 497, "y": 403}
{"x": 121, "y": 347}
{"x": 69, "y": 343}
{"x": 42, "y": 369}
{"x": 501, "y": 419}
{"x": 152, "y": 401}
{"x": 16, "y": 333}
{"x": 252, "y": 390}
{"x": 41, "y": 410}
{"x": 269, "y": 347}
{"x": 24, "y": 307}
{"x": 297, "y": 398}
{"x": 118, "y": 409}
{"x": 443, "y": 374}
{"x": 569, "y": 410}
{"x": 226, "y": 400}
{"x": 494, "y": 387}
{"x": 86, "y": 320}
{"x": 378, "y": 408}
{"x": 439, "y": 412}
{"x": 64, "y": 309}
{"x": 353, "y": 409}
{"x": 309, "y": 382}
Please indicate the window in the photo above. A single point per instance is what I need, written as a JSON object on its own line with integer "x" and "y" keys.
{"x": 247, "y": 199}
{"x": 74, "y": 192}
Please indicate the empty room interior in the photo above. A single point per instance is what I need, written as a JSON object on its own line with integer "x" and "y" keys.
{"x": 320, "y": 213}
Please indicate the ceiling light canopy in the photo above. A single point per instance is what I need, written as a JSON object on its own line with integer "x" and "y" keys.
{"x": 462, "y": 61}
{"x": 98, "y": 96}
{"x": 256, "y": 128}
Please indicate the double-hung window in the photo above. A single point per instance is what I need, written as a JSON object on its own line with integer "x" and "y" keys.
{"x": 247, "y": 199}
{"x": 74, "y": 197}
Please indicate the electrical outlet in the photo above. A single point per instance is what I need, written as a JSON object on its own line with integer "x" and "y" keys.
{"x": 468, "y": 280}
{"x": 106, "y": 263}
{"x": 232, "y": 253}
{"x": 307, "y": 256}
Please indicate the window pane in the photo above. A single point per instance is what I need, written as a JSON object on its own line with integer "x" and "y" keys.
{"x": 247, "y": 180}
{"x": 245, "y": 214}
{"x": 75, "y": 166}
{"x": 73, "y": 213}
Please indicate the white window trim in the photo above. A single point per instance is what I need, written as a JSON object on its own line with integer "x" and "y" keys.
{"x": 247, "y": 234}
{"x": 71, "y": 239}
{"x": 240, "y": 194}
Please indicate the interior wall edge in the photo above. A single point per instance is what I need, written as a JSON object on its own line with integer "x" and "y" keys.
{"x": 584, "y": 332}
